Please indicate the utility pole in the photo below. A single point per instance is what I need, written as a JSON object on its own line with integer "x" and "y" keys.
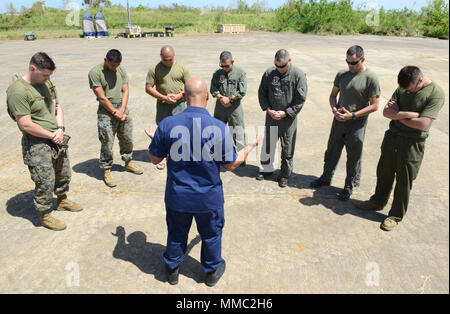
{"x": 129, "y": 16}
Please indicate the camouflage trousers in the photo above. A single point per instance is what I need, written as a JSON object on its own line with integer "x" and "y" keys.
{"x": 49, "y": 168}
{"x": 108, "y": 127}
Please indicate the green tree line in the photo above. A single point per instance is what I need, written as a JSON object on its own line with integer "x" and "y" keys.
{"x": 338, "y": 17}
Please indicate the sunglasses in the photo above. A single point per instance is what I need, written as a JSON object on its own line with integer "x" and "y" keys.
{"x": 281, "y": 66}
{"x": 225, "y": 66}
{"x": 411, "y": 90}
{"x": 353, "y": 62}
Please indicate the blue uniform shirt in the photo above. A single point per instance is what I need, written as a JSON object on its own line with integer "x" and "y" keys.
{"x": 195, "y": 145}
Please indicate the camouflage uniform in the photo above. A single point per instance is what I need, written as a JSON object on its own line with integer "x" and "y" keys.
{"x": 47, "y": 162}
{"x": 49, "y": 167}
{"x": 108, "y": 127}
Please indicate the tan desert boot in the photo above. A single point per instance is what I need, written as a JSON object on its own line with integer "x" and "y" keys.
{"x": 51, "y": 223}
{"x": 109, "y": 180}
{"x": 64, "y": 204}
{"x": 389, "y": 224}
{"x": 130, "y": 167}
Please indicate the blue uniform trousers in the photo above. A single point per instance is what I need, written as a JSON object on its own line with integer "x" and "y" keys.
{"x": 209, "y": 225}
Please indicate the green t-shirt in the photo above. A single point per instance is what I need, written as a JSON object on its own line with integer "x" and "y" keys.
{"x": 42, "y": 111}
{"x": 355, "y": 89}
{"x": 168, "y": 80}
{"x": 428, "y": 102}
{"x": 110, "y": 81}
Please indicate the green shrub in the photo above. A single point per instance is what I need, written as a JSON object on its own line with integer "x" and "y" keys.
{"x": 305, "y": 16}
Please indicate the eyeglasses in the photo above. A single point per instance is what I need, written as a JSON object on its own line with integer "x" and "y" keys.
{"x": 225, "y": 66}
{"x": 281, "y": 66}
{"x": 353, "y": 62}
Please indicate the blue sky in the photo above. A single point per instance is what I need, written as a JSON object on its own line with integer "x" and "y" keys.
{"x": 388, "y": 4}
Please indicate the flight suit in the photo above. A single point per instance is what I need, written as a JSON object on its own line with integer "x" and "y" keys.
{"x": 229, "y": 84}
{"x": 281, "y": 92}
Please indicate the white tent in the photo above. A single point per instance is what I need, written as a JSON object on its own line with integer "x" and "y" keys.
{"x": 100, "y": 25}
{"x": 88, "y": 26}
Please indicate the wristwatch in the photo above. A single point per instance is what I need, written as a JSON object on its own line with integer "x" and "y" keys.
{"x": 62, "y": 128}
{"x": 353, "y": 116}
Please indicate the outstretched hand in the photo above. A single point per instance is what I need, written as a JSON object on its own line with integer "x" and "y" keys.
{"x": 120, "y": 231}
{"x": 257, "y": 140}
{"x": 151, "y": 131}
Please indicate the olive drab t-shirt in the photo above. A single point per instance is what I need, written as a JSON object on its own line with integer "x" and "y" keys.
{"x": 355, "y": 89}
{"x": 428, "y": 102}
{"x": 110, "y": 81}
{"x": 42, "y": 111}
{"x": 168, "y": 80}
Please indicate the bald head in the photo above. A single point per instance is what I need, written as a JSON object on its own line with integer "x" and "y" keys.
{"x": 196, "y": 92}
{"x": 167, "y": 56}
{"x": 167, "y": 50}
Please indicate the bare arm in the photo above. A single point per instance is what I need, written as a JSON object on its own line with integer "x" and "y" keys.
{"x": 374, "y": 104}
{"x": 28, "y": 126}
{"x": 333, "y": 98}
{"x": 100, "y": 93}
{"x": 59, "y": 114}
{"x": 58, "y": 137}
{"x": 155, "y": 160}
{"x": 391, "y": 111}
{"x": 243, "y": 153}
{"x": 151, "y": 90}
{"x": 151, "y": 133}
{"x": 125, "y": 96}
{"x": 417, "y": 123}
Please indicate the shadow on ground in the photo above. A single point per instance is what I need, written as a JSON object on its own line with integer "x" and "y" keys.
{"x": 141, "y": 155}
{"x": 91, "y": 168}
{"x": 22, "y": 206}
{"x": 299, "y": 181}
{"x": 327, "y": 197}
{"x": 148, "y": 257}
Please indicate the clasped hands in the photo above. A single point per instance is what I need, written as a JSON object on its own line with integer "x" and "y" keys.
{"x": 342, "y": 114}
{"x": 120, "y": 115}
{"x": 276, "y": 115}
{"x": 172, "y": 98}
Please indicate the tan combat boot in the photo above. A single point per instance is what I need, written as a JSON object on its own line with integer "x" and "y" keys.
{"x": 130, "y": 167}
{"x": 51, "y": 223}
{"x": 109, "y": 180}
{"x": 64, "y": 204}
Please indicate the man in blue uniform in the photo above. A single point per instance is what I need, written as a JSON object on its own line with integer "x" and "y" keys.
{"x": 195, "y": 145}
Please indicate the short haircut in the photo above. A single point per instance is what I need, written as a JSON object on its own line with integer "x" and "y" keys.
{"x": 225, "y": 56}
{"x": 42, "y": 61}
{"x": 355, "y": 50}
{"x": 409, "y": 75}
{"x": 282, "y": 55}
{"x": 114, "y": 55}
